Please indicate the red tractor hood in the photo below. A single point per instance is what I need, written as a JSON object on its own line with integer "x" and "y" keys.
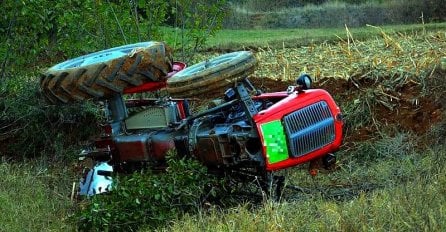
{"x": 298, "y": 128}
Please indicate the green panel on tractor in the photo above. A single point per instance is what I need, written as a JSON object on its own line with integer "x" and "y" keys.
{"x": 275, "y": 141}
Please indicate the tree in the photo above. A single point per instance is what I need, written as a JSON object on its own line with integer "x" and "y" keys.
{"x": 49, "y": 31}
{"x": 198, "y": 20}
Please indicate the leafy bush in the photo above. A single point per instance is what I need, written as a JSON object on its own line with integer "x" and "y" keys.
{"x": 56, "y": 30}
{"x": 29, "y": 127}
{"x": 194, "y": 22}
{"x": 147, "y": 199}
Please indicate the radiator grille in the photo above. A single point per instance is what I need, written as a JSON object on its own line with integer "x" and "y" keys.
{"x": 309, "y": 128}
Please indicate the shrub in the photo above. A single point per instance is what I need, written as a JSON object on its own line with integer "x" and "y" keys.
{"x": 29, "y": 127}
{"x": 147, "y": 199}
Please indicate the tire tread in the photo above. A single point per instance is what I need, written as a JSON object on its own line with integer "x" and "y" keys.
{"x": 104, "y": 79}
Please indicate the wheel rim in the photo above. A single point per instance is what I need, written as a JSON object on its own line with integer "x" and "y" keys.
{"x": 99, "y": 57}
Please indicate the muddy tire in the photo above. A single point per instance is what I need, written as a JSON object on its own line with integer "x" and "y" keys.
{"x": 211, "y": 75}
{"x": 102, "y": 74}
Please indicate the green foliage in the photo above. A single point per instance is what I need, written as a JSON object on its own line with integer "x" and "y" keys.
{"x": 29, "y": 127}
{"x": 198, "y": 21}
{"x": 49, "y": 27}
{"x": 148, "y": 199}
{"x": 156, "y": 16}
{"x": 56, "y": 30}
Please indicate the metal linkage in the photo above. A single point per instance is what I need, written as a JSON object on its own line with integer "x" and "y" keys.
{"x": 246, "y": 100}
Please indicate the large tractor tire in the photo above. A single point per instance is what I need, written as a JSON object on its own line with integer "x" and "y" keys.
{"x": 102, "y": 74}
{"x": 210, "y": 75}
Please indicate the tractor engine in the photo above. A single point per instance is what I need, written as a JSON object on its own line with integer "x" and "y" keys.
{"x": 220, "y": 140}
{"x": 217, "y": 139}
{"x": 243, "y": 133}
{"x": 272, "y": 131}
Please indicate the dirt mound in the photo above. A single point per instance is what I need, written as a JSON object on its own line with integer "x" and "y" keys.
{"x": 270, "y": 85}
{"x": 408, "y": 105}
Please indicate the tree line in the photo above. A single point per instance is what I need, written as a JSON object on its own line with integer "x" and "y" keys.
{"x": 326, "y": 13}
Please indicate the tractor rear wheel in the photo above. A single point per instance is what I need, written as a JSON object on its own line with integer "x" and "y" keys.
{"x": 211, "y": 75}
{"x": 102, "y": 74}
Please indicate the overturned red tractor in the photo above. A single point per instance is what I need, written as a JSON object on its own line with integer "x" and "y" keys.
{"x": 245, "y": 131}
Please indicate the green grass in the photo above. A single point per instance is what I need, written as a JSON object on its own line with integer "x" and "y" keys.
{"x": 382, "y": 185}
{"x": 277, "y": 38}
{"x": 413, "y": 207}
{"x": 32, "y": 198}
{"x": 387, "y": 191}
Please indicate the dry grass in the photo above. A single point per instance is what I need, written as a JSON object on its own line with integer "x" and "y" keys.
{"x": 386, "y": 55}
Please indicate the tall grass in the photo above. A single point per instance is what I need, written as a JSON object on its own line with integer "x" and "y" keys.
{"x": 408, "y": 196}
{"x": 34, "y": 198}
{"x": 383, "y": 185}
{"x": 414, "y": 207}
